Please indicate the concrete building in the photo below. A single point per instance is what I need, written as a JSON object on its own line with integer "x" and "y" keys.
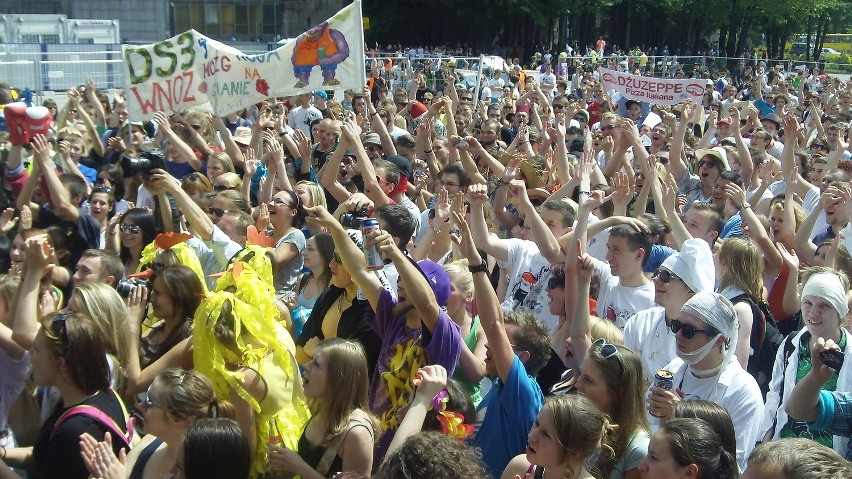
{"x": 145, "y": 21}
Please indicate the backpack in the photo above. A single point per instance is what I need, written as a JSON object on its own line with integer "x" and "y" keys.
{"x": 765, "y": 341}
{"x": 128, "y": 439}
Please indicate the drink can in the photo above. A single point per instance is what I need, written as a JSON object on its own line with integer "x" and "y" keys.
{"x": 371, "y": 253}
{"x": 663, "y": 379}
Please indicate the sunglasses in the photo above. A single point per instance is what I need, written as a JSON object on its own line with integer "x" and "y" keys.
{"x": 558, "y": 106}
{"x": 687, "y": 330}
{"x": 148, "y": 403}
{"x": 132, "y": 229}
{"x": 219, "y": 188}
{"x": 821, "y": 147}
{"x": 196, "y": 127}
{"x": 709, "y": 163}
{"x": 217, "y": 212}
{"x": 102, "y": 189}
{"x": 581, "y": 119}
{"x": 608, "y": 350}
{"x": 665, "y": 276}
{"x": 63, "y": 329}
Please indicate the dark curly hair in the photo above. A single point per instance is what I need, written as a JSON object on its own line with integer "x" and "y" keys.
{"x": 432, "y": 455}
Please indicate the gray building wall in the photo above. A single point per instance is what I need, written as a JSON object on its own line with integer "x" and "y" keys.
{"x": 150, "y": 20}
{"x": 300, "y": 15}
{"x": 140, "y": 20}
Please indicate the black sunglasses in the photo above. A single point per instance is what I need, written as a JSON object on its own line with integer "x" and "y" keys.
{"x": 218, "y": 212}
{"x": 665, "y": 276}
{"x": 102, "y": 189}
{"x": 219, "y": 188}
{"x": 687, "y": 330}
{"x": 63, "y": 329}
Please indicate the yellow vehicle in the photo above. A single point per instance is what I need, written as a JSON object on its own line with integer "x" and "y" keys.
{"x": 841, "y": 42}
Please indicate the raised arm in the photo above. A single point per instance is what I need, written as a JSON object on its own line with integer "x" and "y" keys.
{"x": 231, "y": 147}
{"x": 183, "y": 151}
{"x": 488, "y": 306}
{"x": 351, "y": 256}
{"x": 803, "y": 404}
{"x": 678, "y": 167}
{"x": 60, "y": 198}
{"x": 477, "y": 196}
{"x": 541, "y": 233}
{"x": 417, "y": 289}
{"x": 757, "y": 233}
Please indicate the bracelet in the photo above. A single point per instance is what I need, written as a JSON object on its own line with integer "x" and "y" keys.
{"x": 478, "y": 268}
{"x": 745, "y": 206}
{"x": 427, "y": 152}
{"x": 587, "y": 193}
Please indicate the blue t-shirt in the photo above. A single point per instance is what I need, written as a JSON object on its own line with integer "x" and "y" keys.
{"x": 835, "y": 416}
{"x": 508, "y": 413}
{"x": 91, "y": 174}
{"x": 659, "y": 253}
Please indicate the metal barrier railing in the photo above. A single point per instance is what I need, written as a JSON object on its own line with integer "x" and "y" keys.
{"x": 50, "y": 69}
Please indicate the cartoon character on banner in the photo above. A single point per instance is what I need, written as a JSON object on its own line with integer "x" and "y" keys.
{"x": 321, "y": 46}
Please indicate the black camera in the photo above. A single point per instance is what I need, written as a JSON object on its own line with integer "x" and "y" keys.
{"x": 144, "y": 163}
{"x": 126, "y": 285}
{"x": 353, "y": 219}
{"x": 832, "y": 358}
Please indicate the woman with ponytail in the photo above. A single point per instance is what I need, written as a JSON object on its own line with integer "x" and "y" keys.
{"x": 175, "y": 399}
{"x": 688, "y": 448}
{"x": 567, "y": 431}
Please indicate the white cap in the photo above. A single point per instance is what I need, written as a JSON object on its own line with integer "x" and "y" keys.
{"x": 694, "y": 265}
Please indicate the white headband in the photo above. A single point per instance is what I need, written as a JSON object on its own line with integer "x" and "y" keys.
{"x": 829, "y": 287}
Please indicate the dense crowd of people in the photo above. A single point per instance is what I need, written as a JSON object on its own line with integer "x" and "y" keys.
{"x": 542, "y": 280}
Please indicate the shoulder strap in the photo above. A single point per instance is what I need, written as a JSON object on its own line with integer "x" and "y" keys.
{"x": 334, "y": 446}
{"x": 788, "y": 351}
{"x": 92, "y": 412}
{"x": 103, "y": 418}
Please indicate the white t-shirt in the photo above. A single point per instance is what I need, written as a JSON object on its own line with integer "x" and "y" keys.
{"x": 617, "y": 303}
{"x": 301, "y": 118}
{"x": 648, "y": 336}
{"x": 735, "y": 390}
{"x": 528, "y": 272}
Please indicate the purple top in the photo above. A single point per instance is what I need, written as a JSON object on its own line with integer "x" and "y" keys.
{"x": 404, "y": 351}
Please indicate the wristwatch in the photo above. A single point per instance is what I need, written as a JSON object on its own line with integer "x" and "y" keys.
{"x": 478, "y": 268}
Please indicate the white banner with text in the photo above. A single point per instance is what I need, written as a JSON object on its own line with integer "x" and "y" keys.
{"x": 193, "y": 71}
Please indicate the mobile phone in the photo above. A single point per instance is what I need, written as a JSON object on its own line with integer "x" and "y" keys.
{"x": 832, "y": 358}
{"x": 462, "y": 144}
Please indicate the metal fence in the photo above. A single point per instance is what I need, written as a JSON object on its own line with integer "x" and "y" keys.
{"x": 50, "y": 69}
